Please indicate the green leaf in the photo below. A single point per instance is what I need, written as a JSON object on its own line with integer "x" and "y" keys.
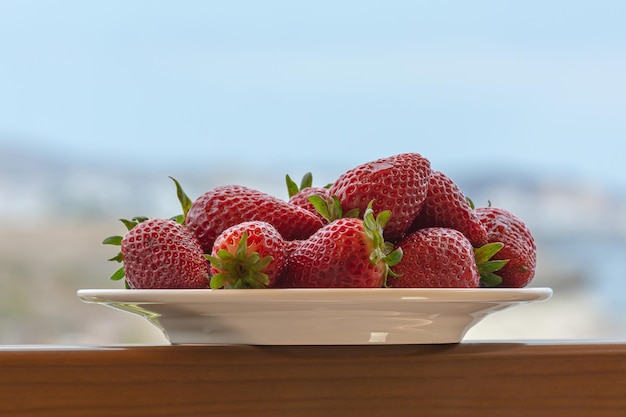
{"x": 292, "y": 187}
{"x": 259, "y": 280}
{"x": 492, "y": 266}
{"x": 307, "y": 181}
{"x": 335, "y": 209}
{"x": 118, "y": 275}
{"x": 353, "y": 214}
{"x": 217, "y": 281}
{"x": 113, "y": 240}
{"x": 383, "y": 218}
{"x": 224, "y": 254}
{"x": 488, "y": 267}
{"x": 262, "y": 263}
{"x": 394, "y": 257}
{"x": 490, "y": 280}
{"x": 180, "y": 218}
{"x": 486, "y": 252}
{"x": 263, "y": 280}
{"x": 117, "y": 258}
{"x": 242, "y": 247}
{"x": 215, "y": 261}
{"x": 128, "y": 223}
{"x": 185, "y": 201}
{"x": 321, "y": 205}
{"x": 330, "y": 208}
{"x": 369, "y": 220}
{"x": 388, "y": 247}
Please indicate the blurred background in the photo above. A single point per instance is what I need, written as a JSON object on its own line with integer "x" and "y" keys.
{"x": 522, "y": 103}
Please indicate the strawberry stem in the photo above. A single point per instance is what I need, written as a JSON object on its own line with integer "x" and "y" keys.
{"x": 383, "y": 251}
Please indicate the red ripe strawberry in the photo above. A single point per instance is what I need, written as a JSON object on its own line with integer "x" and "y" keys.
{"x": 299, "y": 194}
{"x": 436, "y": 257}
{"x": 161, "y": 253}
{"x": 447, "y": 206}
{"x": 348, "y": 252}
{"x": 398, "y": 183}
{"x": 228, "y": 205}
{"x": 302, "y": 199}
{"x": 316, "y": 199}
{"x": 248, "y": 255}
{"x": 519, "y": 245}
{"x": 291, "y": 246}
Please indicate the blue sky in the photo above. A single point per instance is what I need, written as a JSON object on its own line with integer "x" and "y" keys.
{"x": 533, "y": 84}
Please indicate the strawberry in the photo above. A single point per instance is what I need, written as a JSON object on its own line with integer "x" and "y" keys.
{"x": 436, "y": 257}
{"x": 519, "y": 245}
{"x": 317, "y": 200}
{"x": 160, "y": 253}
{"x": 348, "y": 252}
{"x": 247, "y": 255}
{"x": 225, "y": 206}
{"x": 302, "y": 198}
{"x": 299, "y": 195}
{"x": 291, "y": 246}
{"x": 447, "y": 206}
{"x": 397, "y": 183}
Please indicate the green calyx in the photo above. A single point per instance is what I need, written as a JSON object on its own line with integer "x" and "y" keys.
{"x": 330, "y": 208}
{"x": 488, "y": 267}
{"x": 241, "y": 270}
{"x": 305, "y": 182}
{"x": 117, "y": 241}
{"x": 293, "y": 188}
{"x": 383, "y": 251}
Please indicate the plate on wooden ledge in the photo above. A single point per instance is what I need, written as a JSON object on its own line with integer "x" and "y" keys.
{"x": 325, "y": 316}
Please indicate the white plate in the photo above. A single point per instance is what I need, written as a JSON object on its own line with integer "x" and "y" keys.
{"x": 315, "y": 316}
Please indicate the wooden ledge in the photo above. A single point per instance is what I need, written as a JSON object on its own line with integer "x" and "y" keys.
{"x": 468, "y": 379}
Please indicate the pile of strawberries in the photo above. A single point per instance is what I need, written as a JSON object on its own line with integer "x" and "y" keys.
{"x": 392, "y": 222}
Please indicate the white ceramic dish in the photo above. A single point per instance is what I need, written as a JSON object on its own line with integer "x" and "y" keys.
{"x": 315, "y": 316}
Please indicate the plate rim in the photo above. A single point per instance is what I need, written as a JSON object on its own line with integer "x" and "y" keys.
{"x": 398, "y": 315}
{"x": 273, "y": 295}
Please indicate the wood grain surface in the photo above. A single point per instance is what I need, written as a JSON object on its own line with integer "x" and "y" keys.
{"x": 467, "y": 379}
